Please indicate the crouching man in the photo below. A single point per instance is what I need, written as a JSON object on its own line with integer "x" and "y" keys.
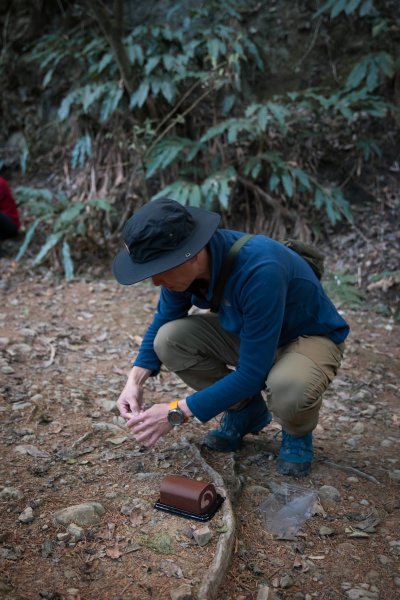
{"x": 275, "y": 329}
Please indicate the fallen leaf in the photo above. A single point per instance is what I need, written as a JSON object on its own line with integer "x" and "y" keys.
{"x": 136, "y": 519}
{"x": 113, "y": 553}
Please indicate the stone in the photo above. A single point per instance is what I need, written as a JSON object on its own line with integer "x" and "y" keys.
{"x": 87, "y": 513}
{"x": 397, "y": 582}
{"x": 183, "y": 592}
{"x": 386, "y": 443}
{"x": 28, "y": 333}
{"x": 7, "y": 370}
{"x": 47, "y": 548}
{"x": 4, "y": 341}
{"x": 11, "y": 493}
{"x": 372, "y": 576}
{"x": 353, "y": 479}
{"x": 384, "y": 560}
{"x": 358, "y": 428}
{"x": 394, "y": 475}
{"x": 266, "y": 593}
{"x": 102, "y": 426}
{"x": 202, "y": 535}
{"x": 107, "y": 405}
{"x": 21, "y": 405}
{"x": 395, "y": 547}
{"x": 27, "y": 515}
{"x": 326, "y": 531}
{"x": 361, "y": 593}
{"x": 329, "y": 493}
{"x": 351, "y": 442}
{"x": 37, "y": 398}
{"x": 286, "y": 581}
{"x": 76, "y": 532}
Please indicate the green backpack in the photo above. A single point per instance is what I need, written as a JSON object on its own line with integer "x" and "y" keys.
{"x": 314, "y": 257}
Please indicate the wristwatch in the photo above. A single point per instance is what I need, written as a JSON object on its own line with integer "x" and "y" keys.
{"x": 176, "y": 416}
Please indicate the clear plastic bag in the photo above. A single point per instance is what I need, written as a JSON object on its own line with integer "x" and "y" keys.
{"x": 285, "y": 511}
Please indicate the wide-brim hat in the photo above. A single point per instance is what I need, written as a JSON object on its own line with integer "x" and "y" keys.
{"x": 161, "y": 235}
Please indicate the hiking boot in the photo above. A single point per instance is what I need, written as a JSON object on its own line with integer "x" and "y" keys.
{"x": 295, "y": 455}
{"x": 236, "y": 423}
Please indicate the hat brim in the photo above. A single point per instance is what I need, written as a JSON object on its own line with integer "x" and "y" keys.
{"x": 127, "y": 272}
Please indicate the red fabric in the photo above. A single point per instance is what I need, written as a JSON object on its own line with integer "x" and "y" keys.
{"x": 7, "y": 203}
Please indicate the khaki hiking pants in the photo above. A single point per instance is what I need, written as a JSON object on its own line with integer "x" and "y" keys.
{"x": 201, "y": 352}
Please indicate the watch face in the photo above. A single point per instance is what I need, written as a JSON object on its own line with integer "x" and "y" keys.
{"x": 175, "y": 417}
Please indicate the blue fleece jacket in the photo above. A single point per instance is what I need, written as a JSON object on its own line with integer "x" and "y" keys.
{"x": 271, "y": 297}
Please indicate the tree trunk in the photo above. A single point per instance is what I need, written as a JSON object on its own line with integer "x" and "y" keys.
{"x": 112, "y": 28}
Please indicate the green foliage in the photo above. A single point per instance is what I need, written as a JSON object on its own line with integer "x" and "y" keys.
{"x": 342, "y": 288}
{"x": 194, "y": 125}
{"x": 348, "y": 7}
{"x": 161, "y": 543}
{"x": 59, "y": 221}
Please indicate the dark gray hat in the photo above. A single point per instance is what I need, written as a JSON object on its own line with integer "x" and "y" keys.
{"x": 161, "y": 235}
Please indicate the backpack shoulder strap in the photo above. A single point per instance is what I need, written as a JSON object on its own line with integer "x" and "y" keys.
{"x": 226, "y": 270}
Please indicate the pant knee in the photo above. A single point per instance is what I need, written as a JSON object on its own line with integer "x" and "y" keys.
{"x": 296, "y": 402}
{"x": 164, "y": 341}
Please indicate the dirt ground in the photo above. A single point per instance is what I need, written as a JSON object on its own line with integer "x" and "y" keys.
{"x": 65, "y": 351}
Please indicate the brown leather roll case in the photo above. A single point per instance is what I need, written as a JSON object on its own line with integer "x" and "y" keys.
{"x": 188, "y": 497}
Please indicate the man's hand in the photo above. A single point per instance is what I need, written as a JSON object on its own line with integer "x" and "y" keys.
{"x": 149, "y": 425}
{"x": 130, "y": 401}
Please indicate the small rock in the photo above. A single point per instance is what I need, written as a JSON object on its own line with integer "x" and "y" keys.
{"x": 286, "y": 581}
{"x": 37, "y": 398}
{"x": 329, "y": 493}
{"x": 107, "y": 405}
{"x": 202, "y": 535}
{"x": 384, "y": 560}
{"x": 102, "y": 426}
{"x": 360, "y": 593}
{"x": 386, "y": 443}
{"x": 353, "y": 479}
{"x": 32, "y": 451}
{"x": 7, "y": 370}
{"x": 395, "y": 475}
{"x": 87, "y": 513}
{"x": 63, "y": 536}
{"x": 21, "y": 348}
{"x": 21, "y": 405}
{"x": 117, "y": 441}
{"x": 76, "y": 532}
{"x": 397, "y": 582}
{"x": 171, "y": 569}
{"x": 27, "y": 515}
{"x": 358, "y": 428}
{"x": 28, "y": 333}
{"x": 326, "y": 531}
{"x": 395, "y": 547}
{"x": 351, "y": 442}
{"x": 372, "y": 576}
{"x": 183, "y": 592}
{"x": 266, "y": 593}
{"x": 4, "y": 341}
{"x": 47, "y": 548}
{"x": 11, "y": 493}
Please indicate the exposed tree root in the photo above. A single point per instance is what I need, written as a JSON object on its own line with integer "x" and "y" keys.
{"x": 216, "y": 573}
